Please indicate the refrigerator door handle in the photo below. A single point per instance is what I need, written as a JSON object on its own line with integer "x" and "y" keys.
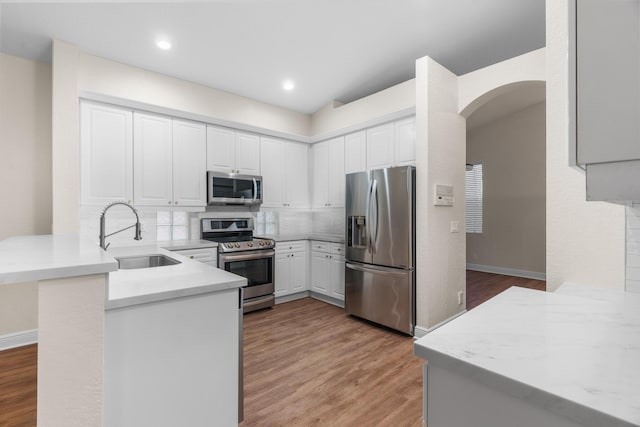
{"x": 367, "y": 224}
{"x": 380, "y": 271}
{"x": 374, "y": 216}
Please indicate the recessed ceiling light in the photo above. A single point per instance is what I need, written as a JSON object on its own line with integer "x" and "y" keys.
{"x": 163, "y": 44}
{"x": 288, "y": 85}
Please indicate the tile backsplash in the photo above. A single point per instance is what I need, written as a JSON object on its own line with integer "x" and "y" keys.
{"x": 632, "y": 273}
{"x": 155, "y": 223}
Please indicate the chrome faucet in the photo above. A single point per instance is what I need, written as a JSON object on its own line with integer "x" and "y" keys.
{"x": 137, "y": 225}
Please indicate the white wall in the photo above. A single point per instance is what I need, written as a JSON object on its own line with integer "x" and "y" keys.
{"x": 585, "y": 240}
{"x": 25, "y": 173}
{"x": 512, "y": 152}
{"x": 440, "y": 159}
{"x": 333, "y": 118}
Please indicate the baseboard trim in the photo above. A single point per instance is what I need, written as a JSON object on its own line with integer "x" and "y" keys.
{"x": 326, "y": 299}
{"x": 18, "y": 339}
{"x": 291, "y": 297}
{"x": 420, "y": 332}
{"x": 507, "y": 271}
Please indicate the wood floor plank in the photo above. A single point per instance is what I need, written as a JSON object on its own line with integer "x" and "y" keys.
{"x": 18, "y": 386}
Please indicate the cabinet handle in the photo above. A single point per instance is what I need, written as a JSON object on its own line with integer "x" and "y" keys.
{"x": 176, "y": 203}
{"x": 169, "y": 201}
{"x": 292, "y": 255}
{"x": 191, "y": 257}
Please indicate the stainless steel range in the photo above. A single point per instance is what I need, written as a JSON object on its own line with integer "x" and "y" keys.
{"x": 242, "y": 254}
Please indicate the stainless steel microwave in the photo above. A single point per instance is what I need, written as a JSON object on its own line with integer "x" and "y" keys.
{"x": 233, "y": 189}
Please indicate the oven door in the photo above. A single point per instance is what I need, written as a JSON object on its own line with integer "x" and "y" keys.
{"x": 255, "y": 266}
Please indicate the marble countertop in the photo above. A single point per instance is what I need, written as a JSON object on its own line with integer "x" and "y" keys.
{"x": 574, "y": 356}
{"x": 334, "y": 238}
{"x": 144, "y": 285}
{"x": 31, "y": 258}
{"x": 177, "y": 245}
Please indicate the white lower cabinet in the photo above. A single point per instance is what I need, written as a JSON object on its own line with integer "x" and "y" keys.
{"x": 173, "y": 362}
{"x": 291, "y": 267}
{"x": 327, "y": 269}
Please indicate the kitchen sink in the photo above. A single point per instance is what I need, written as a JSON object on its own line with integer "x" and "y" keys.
{"x": 144, "y": 261}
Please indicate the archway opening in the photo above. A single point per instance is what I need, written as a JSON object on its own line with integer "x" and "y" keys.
{"x": 506, "y": 190}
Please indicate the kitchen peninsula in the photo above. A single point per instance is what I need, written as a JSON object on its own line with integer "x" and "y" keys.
{"x": 533, "y": 358}
{"x": 77, "y": 282}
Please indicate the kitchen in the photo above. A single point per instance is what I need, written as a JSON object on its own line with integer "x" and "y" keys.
{"x": 574, "y": 258}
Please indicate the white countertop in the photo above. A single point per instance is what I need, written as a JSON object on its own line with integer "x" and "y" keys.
{"x": 30, "y": 258}
{"x": 335, "y": 238}
{"x": 577, "y": 357}
{"x": 176, "y": 245}
{"x": 144, "y": 285}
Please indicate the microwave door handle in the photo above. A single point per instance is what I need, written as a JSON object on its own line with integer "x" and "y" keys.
{"x": 255, "y": 189}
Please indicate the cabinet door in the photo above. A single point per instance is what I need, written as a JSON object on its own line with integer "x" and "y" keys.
{"x": 282, "y": 276}
{"x": 335, "y": 166}
{"x": 320, "y": 272}
{"x": 106, "y": 150}
{"x": 608, "y": 68}
{"x": 272, "y": 153}
{"x": 355, "y": 152}
{"x": 220, "y": 149}
{"x": 297, "y": 174}
{"x": 406, "y": 142}
{"x": 320, "y": 155}
{"x": 298, "y": 270}
{"x": 152, "y": 152}
{"x": 380, "y": 146}
{"x": 189, "y": 163}
{"x": 247, "y": 156}
{"x": 337, "y": 277}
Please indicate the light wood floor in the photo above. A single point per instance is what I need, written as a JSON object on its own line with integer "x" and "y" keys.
{"x": 309, "y": 364}
{"x": 306, "y": 364}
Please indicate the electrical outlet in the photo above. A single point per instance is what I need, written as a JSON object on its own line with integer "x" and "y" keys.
{"x": 454, "y": 226}
{"x": 460, "y": 296}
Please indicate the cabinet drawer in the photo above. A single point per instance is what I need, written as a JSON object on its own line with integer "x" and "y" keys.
{"x": 202, "y": 255}
{"x": 285, "y": 247}
{"x": 337, "y": 249}
{"x": 319, "y": 246}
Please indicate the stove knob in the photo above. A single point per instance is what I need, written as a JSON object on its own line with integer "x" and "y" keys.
{"x": 237, "y": 245}
{"x": 261, "y": 243}
{"x": 250, "y": 244}
{"x": 229, "y": 245}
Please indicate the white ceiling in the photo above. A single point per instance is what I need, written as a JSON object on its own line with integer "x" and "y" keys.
{"x": 332, "y": 49}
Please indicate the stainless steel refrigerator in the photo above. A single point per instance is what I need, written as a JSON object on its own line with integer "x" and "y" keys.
{"x": 380, "y": 247}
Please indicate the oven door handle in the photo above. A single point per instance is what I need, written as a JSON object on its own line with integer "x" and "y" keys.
{"x": 245, "y": 257}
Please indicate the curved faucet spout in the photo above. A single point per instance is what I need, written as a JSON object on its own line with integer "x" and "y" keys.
{"x": 137, "y": 225}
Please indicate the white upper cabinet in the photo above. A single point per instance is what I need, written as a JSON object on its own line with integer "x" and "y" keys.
{"x": 380, "y": 146}
{"x": 355, "y": 152}
{"x": 247, "y": 153}
{"x": 232, "y": 151}
{"x": 221, "y": 150}
{"x": 337, "y": 180}
{"x": 296, "y": 163}
{"x": 285, "y": 174}
{"x": 189, "y": 163}
{"x": 169, "y": 169}
{"x": 320, "y": 168}
{"x": 328, "y": 173}
{"x": 152, "y": 156}
{"x": 405, "y": 142}
{"x": 273, "y": 174}
{"x": 106, "y": 151}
